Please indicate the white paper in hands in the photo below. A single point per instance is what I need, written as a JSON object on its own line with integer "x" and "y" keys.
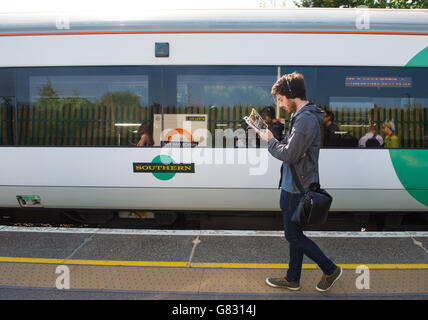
{"x": 255, "y": 121}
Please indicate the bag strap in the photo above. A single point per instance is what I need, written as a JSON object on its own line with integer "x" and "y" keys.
{"x": 293, "y": 170}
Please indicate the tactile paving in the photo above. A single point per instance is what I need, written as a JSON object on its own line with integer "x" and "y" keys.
{"x": 157, "y": 279}
{"x": 380, "y": 281}
{"x": 206, "y": 280}
{"x": 28, "y": 275}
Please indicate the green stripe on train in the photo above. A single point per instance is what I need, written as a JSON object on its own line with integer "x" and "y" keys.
{"x": 419, "y": 60}
{"x": 411, "y": 167}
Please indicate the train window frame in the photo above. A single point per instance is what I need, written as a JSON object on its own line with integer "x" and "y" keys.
{"x": 8, "y": 125}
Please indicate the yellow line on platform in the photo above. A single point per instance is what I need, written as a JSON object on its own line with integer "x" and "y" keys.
{"x": 96, "y": 262}
{"x": 198, "y": 264}
{"x": 304, "y": 266}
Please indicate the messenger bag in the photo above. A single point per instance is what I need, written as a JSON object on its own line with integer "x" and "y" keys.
{"x": 314, "y": 205}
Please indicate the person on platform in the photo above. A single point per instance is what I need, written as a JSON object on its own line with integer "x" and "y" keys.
{"x": 300, "y": 147}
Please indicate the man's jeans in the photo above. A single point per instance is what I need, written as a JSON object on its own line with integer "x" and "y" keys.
{"x": 299, "y": 243}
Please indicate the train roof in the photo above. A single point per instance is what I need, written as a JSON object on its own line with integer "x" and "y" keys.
{"x": 257, "y": 20}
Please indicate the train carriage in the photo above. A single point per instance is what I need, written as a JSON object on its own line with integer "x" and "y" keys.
{"x": 74, "y": 89}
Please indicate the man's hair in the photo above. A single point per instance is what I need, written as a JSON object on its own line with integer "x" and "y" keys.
{"x": 269, "y": 111}
{"x": 295, "y": 88}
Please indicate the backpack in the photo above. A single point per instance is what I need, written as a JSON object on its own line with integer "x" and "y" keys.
{"x": 372, "y": 143}
{"x": 348, "y": 141}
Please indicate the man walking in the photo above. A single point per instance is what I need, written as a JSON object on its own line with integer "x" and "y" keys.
{"x": 300, "y": 147}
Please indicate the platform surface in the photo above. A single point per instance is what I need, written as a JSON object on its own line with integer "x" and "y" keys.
{"x": 133, "y": 264}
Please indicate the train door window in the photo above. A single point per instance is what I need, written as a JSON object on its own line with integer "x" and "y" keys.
{"x": 7, "y": 107}
{"x": 213, "y": 99}
{"x": 86, "y": 106}
{"x": 390, "y": 102}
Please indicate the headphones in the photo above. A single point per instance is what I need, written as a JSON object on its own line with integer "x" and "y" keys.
{"x": 292, "y": 96}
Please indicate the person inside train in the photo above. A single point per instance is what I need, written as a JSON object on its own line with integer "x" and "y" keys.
{"x": 274, "y": 125}
{"x": 146, "y": 135}
{"x": 391, "y": 139}
{"x": 371, "y": 139}
{"x": 331, "y": 138}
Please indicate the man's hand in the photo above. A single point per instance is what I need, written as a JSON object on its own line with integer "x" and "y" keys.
{"x": 265, "y": 134}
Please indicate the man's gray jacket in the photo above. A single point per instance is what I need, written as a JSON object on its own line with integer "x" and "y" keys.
{"x": 303, "y": 138}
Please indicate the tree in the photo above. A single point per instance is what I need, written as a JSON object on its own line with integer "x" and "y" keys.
{"x": 47, "y": 91}
{"x": 394, "y": 4}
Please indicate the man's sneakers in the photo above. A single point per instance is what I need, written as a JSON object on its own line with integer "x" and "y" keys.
{"x": 325, "y": 284}
{"x": 327, "y": 281}
{"x": 282, "y": 283}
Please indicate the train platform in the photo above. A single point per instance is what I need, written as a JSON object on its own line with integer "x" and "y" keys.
{"x": 56, "y": 263}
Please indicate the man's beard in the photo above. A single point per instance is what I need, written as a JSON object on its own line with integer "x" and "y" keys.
{"x": 293, "y": 107}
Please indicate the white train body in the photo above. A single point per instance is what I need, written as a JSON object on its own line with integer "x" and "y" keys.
{"x": 104, "y": 177}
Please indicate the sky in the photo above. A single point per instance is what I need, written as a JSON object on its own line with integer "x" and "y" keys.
{"x": 118, "y": 5}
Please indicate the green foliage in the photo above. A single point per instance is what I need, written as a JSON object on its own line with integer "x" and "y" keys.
{"x": 120, "y": 98}
{"x": 233, "y": 95}
{"x": 394, "y": 4}
{"x": 47, "y": 91}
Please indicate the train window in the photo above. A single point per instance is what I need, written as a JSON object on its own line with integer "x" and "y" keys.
{"x": 393, "y": 100}
{"x": 214, "y": 99}
{"x": 87, "y": 106}
{"x": 7, "y": 107}
{"x": 188, "y": 106}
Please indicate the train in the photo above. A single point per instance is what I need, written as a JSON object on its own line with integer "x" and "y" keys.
{"x": 75, "y": 88}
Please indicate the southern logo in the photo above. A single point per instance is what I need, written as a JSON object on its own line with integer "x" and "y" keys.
{"x": 163, "y": 167}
